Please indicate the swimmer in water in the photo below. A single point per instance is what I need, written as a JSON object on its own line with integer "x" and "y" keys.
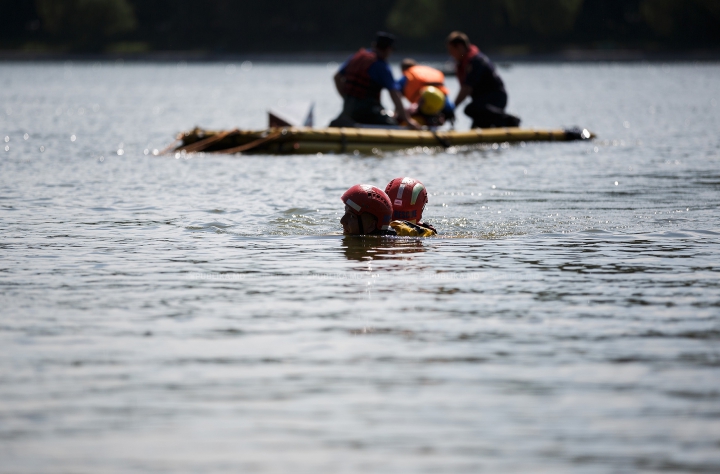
{"x": 368, "y": 211}
{"x": 409, "y": 197}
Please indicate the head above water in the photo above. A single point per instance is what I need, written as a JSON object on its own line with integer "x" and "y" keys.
{"x": 383, "y": 44}
{"x": 458, "y": 44}
{"x": 408, "y": 197}
{"x": 367, "y": 210}
{"x": 407, "y": 63}
{"x": 354, "y": 224}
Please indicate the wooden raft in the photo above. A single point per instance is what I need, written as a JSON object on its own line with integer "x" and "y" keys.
{"x": 299, "y": 140}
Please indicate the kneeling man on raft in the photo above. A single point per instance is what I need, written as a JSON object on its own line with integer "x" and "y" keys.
{"x": 480, "y": 81}
{"x": 369, "y": 210}
{"x": 361, "y": 79}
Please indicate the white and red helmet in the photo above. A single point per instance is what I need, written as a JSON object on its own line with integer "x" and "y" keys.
{"x": 366, "y": 198}
{"x": 408, "y": 197}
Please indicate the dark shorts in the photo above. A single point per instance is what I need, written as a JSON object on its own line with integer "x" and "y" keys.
{"x": 488, "y": 111}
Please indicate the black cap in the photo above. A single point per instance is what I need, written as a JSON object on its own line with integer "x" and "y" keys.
{"x": 384, "y": 40}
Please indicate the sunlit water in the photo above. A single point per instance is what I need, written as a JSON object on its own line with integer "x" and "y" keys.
{"x": 202, "y": 314}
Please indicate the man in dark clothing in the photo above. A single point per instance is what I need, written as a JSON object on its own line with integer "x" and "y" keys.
{"x": 361, "y": 79}
{"x": 479, "y": 80}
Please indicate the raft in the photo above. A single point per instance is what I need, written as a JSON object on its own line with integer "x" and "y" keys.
{"x": 302, "y": 140}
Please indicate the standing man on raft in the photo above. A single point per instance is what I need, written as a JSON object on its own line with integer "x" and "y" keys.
{"x": 479, "y": 80}
{"x": 361, "y": 79}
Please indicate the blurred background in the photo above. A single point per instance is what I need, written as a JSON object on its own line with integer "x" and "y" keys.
{"x": 226, "y": 27}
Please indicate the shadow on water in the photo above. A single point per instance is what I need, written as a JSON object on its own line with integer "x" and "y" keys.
{"x": 364, "y": 248}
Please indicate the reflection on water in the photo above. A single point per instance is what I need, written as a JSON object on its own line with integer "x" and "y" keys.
{"x": 203, "y": 314}
{"x": 367, "y": 248}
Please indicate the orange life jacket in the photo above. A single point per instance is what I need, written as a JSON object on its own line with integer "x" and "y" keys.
{"x": 358, "y": 83}
{"x": 422, "y": 76}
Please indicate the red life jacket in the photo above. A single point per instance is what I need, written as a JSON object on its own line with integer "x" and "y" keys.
{"x": 463, "y": 64}
{"x": 358, "y": 83}
{"x": 422, "y": 76}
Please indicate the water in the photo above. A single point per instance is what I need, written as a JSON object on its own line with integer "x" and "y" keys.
{"x": 204, "y": 315}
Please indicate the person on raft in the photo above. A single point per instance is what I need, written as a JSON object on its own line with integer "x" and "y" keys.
{"x": 361, "y": 79}
{"x": 480, "y": 81}
{"x": 369, "y": 211}
{"x": 424, "y": 87}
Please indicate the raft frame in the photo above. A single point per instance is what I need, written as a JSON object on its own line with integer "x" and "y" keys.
{"x": 302, "y": 140}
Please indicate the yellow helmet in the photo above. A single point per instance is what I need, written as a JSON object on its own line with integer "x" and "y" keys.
{"x": 432, "y": 100}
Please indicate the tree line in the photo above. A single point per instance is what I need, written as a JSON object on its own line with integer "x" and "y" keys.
{"x": 239, "y": 26}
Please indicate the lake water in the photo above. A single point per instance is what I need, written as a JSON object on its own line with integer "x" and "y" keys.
{"x": 203, "y": 314}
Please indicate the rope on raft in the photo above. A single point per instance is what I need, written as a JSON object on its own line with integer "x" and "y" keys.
{"x": 205, "y": 143}
{"x": 445, "y": 143}
{"x": 251, "y": 145}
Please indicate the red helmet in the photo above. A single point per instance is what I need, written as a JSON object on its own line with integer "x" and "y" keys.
{"x": 409, "y": 197}
{"x": 365, "y": 198}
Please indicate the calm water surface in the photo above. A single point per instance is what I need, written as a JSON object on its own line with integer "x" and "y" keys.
{"x": 202, "y": 314}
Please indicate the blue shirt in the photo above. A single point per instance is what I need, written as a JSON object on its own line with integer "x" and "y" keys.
{"x": 401, "y": 83}
{"x": 379, "y": 73}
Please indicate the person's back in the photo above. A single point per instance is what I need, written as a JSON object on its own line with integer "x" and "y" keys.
{"x": 418, "y": 76}
{"x": 482, "y": 75}
{"x": 360, "y": 81}
{"x": 424, "y": 87}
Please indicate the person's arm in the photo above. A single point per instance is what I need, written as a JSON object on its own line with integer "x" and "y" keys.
{"x": 340, "y": 83}
{"x": 401, "y": 83}
{"x": 339, "y": 78}
{"x": 465, "y": 91}
{"x": 400, "y": 110}
{"x": 380, "y": 72}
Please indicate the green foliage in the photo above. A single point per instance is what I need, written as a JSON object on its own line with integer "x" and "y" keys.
{"x": 712, "y": 6}
{"x": 659, "y": 14}
{"x": 86, "y": 22}
{"x": 663, "y": 15}
{"x": 420, "y": 18}
{"x": 545, "y": 17}
{"x": 416, "y": 18}
{"x": 231, "y": 26}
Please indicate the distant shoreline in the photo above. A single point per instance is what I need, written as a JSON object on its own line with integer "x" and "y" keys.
{"x": 566, "y": 56}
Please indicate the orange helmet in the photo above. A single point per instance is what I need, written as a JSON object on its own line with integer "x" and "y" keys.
{"x": 408, "y": 197}
{"x": 366, "y": 198}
